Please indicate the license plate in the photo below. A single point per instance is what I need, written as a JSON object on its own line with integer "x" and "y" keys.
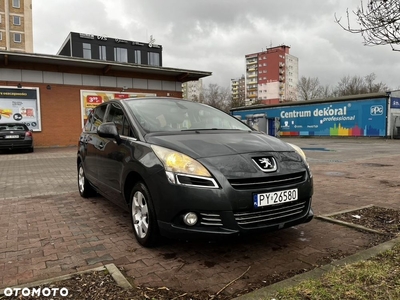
{"x": 275, "y": 197}
{"x": 12, "y": 136}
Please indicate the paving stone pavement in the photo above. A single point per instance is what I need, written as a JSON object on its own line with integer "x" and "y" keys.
{"x": 47, "y": 229}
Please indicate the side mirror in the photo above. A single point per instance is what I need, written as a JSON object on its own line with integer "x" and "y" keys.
{"x": 109, "y": 130}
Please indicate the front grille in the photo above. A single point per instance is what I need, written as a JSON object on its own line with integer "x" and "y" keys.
{"x": 208, "y": 219}
{"x": 271, "y": 215}
{"x": 268, "y": 181}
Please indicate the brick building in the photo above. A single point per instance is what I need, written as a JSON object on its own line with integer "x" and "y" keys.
{"x": 53, "y": 92}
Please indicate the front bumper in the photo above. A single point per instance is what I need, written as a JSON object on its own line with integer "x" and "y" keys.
{"x": 228, "y": 210}
{"x": 188, "y": 233}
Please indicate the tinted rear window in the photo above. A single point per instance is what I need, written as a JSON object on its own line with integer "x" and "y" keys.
{"x": 13, "y": 127}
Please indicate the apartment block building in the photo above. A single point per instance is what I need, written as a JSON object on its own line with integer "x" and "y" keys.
{"x": 191, "y": 90}
{"x": 16, "y": 32}
{"x": 271, "y": 76}
{"x": 238, "y": 91}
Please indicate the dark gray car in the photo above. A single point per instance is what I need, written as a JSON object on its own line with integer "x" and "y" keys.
{"x": 15, "y": 136}
{"x": 188, "y": 170}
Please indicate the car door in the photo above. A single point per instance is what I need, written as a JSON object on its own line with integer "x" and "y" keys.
{"x": 114, "y": 156}
{"x": 93, "y": 143}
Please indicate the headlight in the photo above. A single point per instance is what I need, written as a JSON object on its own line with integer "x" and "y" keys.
{"x": 299, "y": 151}
{"x": 177, "y": 162}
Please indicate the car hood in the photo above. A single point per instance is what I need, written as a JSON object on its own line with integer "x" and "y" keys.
{"x": 205, "y": 144}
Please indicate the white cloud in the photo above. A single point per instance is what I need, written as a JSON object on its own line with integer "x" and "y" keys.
{"x": 215, "y": 35}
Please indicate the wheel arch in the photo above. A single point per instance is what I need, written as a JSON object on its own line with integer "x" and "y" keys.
{"x": 130, "y": 181}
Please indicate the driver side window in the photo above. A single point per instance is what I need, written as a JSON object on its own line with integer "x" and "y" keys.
{"x": 97, "y": 117}
{"x": 116, "y": 115}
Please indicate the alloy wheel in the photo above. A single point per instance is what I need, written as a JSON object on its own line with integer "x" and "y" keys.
{"x": 140, "y": 214}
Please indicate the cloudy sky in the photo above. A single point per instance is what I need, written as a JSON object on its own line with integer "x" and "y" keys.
{"x": 215, "y": 35}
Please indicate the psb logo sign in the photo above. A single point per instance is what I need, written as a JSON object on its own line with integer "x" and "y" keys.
{"x": 376, "y": 110}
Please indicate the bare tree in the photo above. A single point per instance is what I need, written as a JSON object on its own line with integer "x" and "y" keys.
{"x": 358, "y": 85}
{"x": 374, "y": 87}
{"x": 378, "y": 21}
{"x": 309, "y": 88}
{"x": 217, "y": 96}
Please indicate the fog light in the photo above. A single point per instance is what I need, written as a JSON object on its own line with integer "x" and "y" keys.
{"x": 190, "y": 219}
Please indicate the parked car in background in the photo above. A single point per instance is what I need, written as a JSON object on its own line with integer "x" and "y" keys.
{"x": 188, "y": 170}
{"x": 15, "y": 136}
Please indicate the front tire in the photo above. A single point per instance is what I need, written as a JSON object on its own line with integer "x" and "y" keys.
{"x": 84, "y": 187}
{"x": 144, "y": 221}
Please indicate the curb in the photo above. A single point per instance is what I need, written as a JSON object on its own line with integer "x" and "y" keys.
{"x": 111, "y": 268}
{"x": 269, "y": 291}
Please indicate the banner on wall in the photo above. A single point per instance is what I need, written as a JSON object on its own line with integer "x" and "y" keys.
{"x": 345, "y": 118}
{"x": 20, "y": 105}
{"x": 90, "y": 99}
{"x": 395, "y": 102}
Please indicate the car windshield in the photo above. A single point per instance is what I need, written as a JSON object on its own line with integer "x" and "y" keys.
{"x": 159, "y": 115}
{"x": 11, "y": 127}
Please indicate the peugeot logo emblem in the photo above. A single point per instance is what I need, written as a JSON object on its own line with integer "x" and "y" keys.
{"x": 266, "y": 164}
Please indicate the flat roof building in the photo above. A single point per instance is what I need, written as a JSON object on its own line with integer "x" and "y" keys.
{"x": 91, "y": 46}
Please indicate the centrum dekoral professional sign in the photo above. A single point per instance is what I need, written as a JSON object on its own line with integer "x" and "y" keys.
{"x": 349, "y": 118}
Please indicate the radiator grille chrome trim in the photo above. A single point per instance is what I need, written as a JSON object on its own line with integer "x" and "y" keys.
{"x": 271, "y": 216}
{"x": 268, "y": 181}
{"x": 208, "y": 219}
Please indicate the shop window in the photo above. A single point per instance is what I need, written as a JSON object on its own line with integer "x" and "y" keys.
{"x": 138, "y": 56}
{"x": 153, "y": 58}
{"x": 121, "y": 54}
{"x": 102, "y": 53}
{"x": 87, "y": 50}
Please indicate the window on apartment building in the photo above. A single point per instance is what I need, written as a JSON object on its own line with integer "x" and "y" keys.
{"x": 1, "y": 36}
{"x": 87, "y": 50}
{"x": 16, "y": 3}
{"x": 17, "y": 38}
{"x": 121, "y": 54}
{"x": 0, "y": 19}
{"x": 16, "y": 20}
{"x": 138, "y": 56}
{"x": 153, "y": 58}
{"x": 102, "y": 53}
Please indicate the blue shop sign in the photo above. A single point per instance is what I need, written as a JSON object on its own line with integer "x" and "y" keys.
{"x": 395, "y": 102}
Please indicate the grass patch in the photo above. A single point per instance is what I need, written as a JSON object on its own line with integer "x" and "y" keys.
{"x": 376, "y": 278}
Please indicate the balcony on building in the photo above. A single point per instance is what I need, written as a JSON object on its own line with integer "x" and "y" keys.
{"x": 251, "y": 61}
